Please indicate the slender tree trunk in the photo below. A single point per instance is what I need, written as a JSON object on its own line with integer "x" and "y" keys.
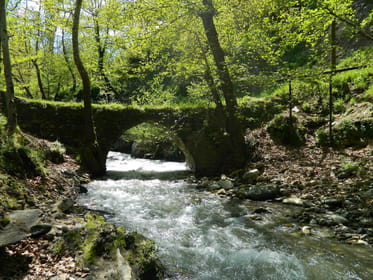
{"x": 219, "y": 57}
{"x": 333, "y": 64}
{"x": 39, "y": 78}
{"x": 92, "y": 156}
{"x": 9, "y": 96}
{"x": 36, "y": 65}
{"x": 66, "y": 57}
{"x": 290, "y": 102}
{"x": 209, "y": 77}
{"x": 22, "y": 82}
{"x": 234, "y": 148}
{"x": 101, "y": 49}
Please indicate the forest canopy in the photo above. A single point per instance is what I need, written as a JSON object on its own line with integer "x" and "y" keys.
{"x": 156, "y": 51}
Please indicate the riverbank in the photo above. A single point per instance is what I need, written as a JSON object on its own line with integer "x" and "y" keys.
{"x": 30, "y": 258}
{"x": 329, "y": 191}
{"x": 326, "y": 194}
{"x": 45, "y": 235}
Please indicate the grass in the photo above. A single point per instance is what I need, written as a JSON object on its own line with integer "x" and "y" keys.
{"x": 358, "y": 80}
{"x": 118, "y": 106}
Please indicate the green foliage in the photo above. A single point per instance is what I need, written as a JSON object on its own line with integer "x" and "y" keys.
{"x": 55, "y": 152}
{"x": 17, "y": 159}
{"x": 347, "y": 133}
{"x": 322, "y": 137}
{"x": 368, "y": 95}
{"x": 12, "y": 191}
{"x": 254, "y": 112}
{"x": 286, "y": 132}
{"x": 355, "y": 80}
{"x": 149, "y": 140}
{"x": 349, "y": 169}
{"x": 309, "y": 95}
{"x": 339, "y": 106}
{"x": 155, "y": 52}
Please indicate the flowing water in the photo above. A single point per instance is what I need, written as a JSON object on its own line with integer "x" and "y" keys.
{"x": 203, "y": 236}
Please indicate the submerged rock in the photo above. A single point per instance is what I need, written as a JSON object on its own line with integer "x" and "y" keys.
{"x": 225, "y": 184}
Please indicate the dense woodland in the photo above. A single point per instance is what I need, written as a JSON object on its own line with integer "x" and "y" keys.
{"x": 157, "y": 52}
{"x": 290, "y": 84}
{"x": 188, "y": 52}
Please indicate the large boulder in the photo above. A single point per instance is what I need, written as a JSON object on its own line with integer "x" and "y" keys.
{"x": 20, "y": 224}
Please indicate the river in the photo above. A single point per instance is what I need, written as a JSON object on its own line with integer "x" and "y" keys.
{"x": 202, "y": 236}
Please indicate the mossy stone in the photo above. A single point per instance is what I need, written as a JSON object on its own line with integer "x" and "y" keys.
{"x": 286, "y": 132}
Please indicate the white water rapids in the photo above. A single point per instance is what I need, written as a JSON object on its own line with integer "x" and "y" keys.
{"x": 203, "y": 236}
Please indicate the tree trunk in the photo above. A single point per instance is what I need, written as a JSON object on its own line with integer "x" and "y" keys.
{"x": 209, "y": 77}
{"x": 91, "y": 154}
{"x": 35, "y": 62}
{"x": 9, "y": 96}
{"x": 101, "y": 49}
{"x": 219, "y": 57}
{"x": 66, "y": 57}
{"x": 233, "y": 148}
{"x": 333, "y": 64}
{"x": 40, "y": 81}
{"x": 21, "y": 81}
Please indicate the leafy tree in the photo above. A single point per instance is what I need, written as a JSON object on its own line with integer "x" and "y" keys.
{"x": 92, "y": 156}
{"x": 9, "y": 96}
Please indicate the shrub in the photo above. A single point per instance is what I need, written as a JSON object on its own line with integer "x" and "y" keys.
{"x": 322, "y": 137}
{"x": 19, "y": 161}
{"x": 347, "y": 134}
{"x": 347, "y": 169}
{"x": 368, "y": 95}
{"x": 339, "y": 106}
{"x": 286, "y": 132}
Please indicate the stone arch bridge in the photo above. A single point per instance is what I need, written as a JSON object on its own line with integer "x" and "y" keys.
{"x": 195, "y": 129}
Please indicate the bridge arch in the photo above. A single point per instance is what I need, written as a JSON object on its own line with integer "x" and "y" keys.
{"x": 198, "y": 131}
{"x": 173, "y": 137}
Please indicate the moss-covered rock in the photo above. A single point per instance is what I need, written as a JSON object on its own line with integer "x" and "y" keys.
{"x": 286, "y": 132}
{"x": 95, "y": 241}
{"x": 254, "y": 112}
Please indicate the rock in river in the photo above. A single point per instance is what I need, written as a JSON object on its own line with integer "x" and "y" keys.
{"x": 293, "y": 200}
{"x": 263, "y": 192}
{"x": 251, "y": 176}
{"x": 331, "y": 219}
